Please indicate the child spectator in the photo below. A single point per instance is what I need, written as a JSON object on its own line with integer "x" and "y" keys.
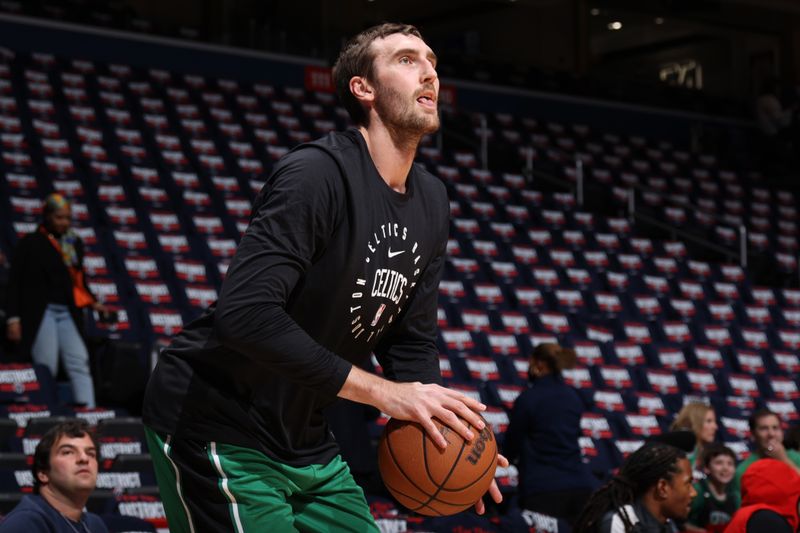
{"x": 716, "y": 500}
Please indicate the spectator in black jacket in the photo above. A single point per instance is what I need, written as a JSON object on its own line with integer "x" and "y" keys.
{"x": 543, "y": 436}
{"x": 46, "y": 288}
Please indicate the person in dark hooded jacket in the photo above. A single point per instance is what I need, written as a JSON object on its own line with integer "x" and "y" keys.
{"x": 770, "y": 499}
{"x": 543, "y": 436}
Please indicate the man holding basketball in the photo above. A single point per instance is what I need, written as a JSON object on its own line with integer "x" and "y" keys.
{"x": 342, "y": 258}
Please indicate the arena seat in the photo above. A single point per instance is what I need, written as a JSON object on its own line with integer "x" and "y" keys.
{"x": 163, "y": 168}
{"x": 15, "y": 473}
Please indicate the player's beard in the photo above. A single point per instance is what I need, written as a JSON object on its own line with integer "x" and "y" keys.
{"x": 402, "y": 116}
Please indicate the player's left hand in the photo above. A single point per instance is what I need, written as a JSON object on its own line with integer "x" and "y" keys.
{"x": 494, "y": 490}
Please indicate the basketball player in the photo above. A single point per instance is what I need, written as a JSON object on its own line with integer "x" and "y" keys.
{"x": 342, "y": 258}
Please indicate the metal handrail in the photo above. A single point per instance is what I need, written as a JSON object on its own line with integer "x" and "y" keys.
{"x": 578, "y": 188}
{"x": 636, "y": 215}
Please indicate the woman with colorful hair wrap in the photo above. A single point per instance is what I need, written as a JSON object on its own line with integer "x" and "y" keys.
{"x": 652, "y": 489}
{"x": 543, "y": 433}
{"x": 46, "y": 289}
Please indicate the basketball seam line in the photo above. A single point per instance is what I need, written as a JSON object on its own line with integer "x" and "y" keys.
{"x": 408, "y": 478}
{"x": 452, "y": 468}
{"x": 489, "y": 466}
{"x": 440, "y": 488}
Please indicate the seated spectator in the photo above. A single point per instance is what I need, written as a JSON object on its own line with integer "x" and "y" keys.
{"x": 770, "y": 494}
{"x": 767, "y": 435}
{"x": 771, "y": 116}
{"x": 776, "y": 123}
{"x": 64, "y": 476}
{"x": 46, "y": 288}
{"x": 542, "y": 434}
{"x": 716, "y": 500}
{"x": 652, "y": 490}
{"x": 701, "y": 419}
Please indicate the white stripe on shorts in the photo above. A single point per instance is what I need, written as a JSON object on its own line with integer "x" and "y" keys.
{"x": 212, "y": 451}
{"x": 178, "y": 483}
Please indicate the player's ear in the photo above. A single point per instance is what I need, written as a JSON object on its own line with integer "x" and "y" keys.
{"x": 42, "y": 477}
{"x": 362, "y": 89}
{"x": 662, "y": 489}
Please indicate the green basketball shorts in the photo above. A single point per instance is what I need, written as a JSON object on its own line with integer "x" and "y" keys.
{"x": 216, "y": 487}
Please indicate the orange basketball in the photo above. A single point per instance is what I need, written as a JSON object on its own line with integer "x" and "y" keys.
{"x": 431, "y": 481}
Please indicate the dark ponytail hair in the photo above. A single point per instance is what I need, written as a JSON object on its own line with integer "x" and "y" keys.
{"x": 640, "y": 471}
{"x": 557, "y": 358}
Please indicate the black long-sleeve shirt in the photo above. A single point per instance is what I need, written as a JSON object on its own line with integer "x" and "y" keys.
{"x": 334, "y": 265}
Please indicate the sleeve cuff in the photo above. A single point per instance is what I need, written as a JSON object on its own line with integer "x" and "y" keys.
{"x": 337, "y": 376}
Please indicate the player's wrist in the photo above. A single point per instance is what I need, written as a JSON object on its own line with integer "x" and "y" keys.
{"x": 363, "y": 387}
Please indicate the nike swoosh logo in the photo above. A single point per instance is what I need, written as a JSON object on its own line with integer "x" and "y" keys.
{"x": 393, "y": 254}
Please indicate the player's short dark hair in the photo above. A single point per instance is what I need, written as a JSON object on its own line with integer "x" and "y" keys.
{"x": 715, "y": 449}
{"x": 758, "y": 415}
{"x": 41, "y": 456}
{"x": 357, "y": 59}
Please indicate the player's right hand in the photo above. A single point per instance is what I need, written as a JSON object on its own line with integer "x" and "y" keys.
{"x": 422, "y": 403}
{"x": 494, "y": 490}
{"x": 14, "y": 332}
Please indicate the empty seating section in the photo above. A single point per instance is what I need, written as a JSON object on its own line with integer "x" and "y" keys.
{"x": 653, "y": 327}
{"x": 691, "y": 191}
{"x": 162, "y": 170}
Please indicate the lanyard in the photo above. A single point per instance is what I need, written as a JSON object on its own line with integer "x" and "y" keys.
{"x": 80, "y": 294}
